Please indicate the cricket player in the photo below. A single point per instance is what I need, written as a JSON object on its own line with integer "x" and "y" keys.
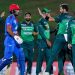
{"x": 71, "y": 40}
{"x": 43, "y": 42}
{"x": 61, "y": 37}
{"x": 62, "y": 55}
{"x": 27, "y": 34}
{"x": 13, "y": 41}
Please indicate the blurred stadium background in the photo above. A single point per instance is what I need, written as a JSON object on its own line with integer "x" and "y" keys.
{"x": 31, "y": 6}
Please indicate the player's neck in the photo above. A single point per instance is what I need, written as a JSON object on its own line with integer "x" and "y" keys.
{"x": 65, "y": 11}
{"x": 27, "y": 22}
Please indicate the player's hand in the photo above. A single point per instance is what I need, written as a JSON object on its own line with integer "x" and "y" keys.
{"x": 69, "y": 46}
{"x": 40, "y": 12}
{"x": 48, "y": 14}
{"x": 18, "y": 39}
{"x": 35, "y": 33}
{"x": 2, "y": 14}
{"x": 48, "y": 43}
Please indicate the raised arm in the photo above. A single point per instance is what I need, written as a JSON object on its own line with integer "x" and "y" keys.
{"x": 48, "y": 17}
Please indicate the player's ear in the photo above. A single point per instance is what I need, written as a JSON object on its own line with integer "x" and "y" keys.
{"x": 13, "y": 11}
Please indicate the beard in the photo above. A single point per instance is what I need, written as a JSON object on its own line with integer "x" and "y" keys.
{"x": 16, "y": 14}
{"x": 28, "y": 20}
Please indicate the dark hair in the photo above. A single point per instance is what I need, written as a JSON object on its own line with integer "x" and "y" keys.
{"x": 64, "y": 6}
{"x": 27, "y": 13}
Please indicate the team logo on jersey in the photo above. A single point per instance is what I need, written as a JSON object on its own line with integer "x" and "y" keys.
{"x": 15, "y": 21}
{"x": 3, "y": 59}
{"x": 23, "y": 25}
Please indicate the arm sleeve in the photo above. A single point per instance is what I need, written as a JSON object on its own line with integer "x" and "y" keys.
{"x": 57, "y": 19}
{"x": 9, "y": 21}
{"x": 45, "y": 24}
{"x": 35, "y": 28}
{"x": 69, "y": 33}
{"x": 41, "y": 32}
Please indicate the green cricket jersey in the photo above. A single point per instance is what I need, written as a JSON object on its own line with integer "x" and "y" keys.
{"x": 71, "y": 31}
{"x": 43, "y": 23}
{"x": 26, "y": 31}
{"x": 63, "y": 20}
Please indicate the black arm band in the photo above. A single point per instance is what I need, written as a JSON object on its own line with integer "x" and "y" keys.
{"x": 47, "y": 18}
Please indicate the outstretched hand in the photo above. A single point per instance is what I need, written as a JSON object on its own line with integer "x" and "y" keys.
{"x": 2, "y": 14}
{"x": 41, "y": 14}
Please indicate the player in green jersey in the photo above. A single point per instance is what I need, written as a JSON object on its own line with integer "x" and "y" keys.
{"x": 43, "y": 42}
{"x": 71, "y": 39}
{"x": 27, "y": 34}
{"x": 61, "y": 37}
{"x": 62, "y": 56}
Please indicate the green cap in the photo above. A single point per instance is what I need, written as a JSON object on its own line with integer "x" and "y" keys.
{"x": 45, "y": 10}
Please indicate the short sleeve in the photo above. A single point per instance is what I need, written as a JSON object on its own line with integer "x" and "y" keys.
{"x": 36, "y": 27}
{"x": 9, "y": 21}
{"x": 57, "y": 19}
